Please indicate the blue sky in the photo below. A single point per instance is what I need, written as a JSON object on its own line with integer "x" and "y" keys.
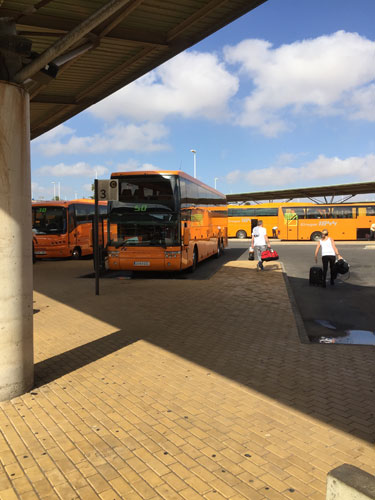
{"x": 283, "y": 97}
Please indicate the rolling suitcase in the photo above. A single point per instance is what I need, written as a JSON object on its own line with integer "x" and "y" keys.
{"x": 316, "y": 276}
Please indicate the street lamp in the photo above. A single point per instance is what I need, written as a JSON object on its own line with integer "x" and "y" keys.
{"x": 195, "y": 162}
{"x": 216, "y": 179}
{"x": 54, "y": 190}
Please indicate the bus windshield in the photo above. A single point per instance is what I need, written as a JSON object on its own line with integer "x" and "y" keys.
{"x": 49, "y": 220}
{"x": 147, "y": 211}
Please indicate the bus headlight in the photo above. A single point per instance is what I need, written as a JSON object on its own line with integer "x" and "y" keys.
{"x": 113, "y": 254}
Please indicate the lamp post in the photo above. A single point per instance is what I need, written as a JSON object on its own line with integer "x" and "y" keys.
{"x": 54, "y": 190}
{"x": 195, "y": 162}
{"x": 59, "y": 191}
{"x": 216, "y": 179}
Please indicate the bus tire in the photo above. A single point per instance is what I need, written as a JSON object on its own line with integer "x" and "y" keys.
{"x": 76, "y": 254}
{"x": 316, "y": 236}
{"x": 193, "y": 267}
{"x": 219, "y": 250}
{"x": 241, "y": 234}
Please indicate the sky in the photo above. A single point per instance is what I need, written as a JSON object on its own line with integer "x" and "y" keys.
{"x": 283, "y": 97}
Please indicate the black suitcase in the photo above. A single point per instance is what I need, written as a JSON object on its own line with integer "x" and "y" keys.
{"x": 316, "y": 276}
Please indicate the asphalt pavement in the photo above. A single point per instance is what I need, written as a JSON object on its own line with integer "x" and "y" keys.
{"x": 343, "y": 312}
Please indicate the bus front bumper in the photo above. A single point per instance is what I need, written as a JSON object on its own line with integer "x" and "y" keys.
{"x": 159, "y": 259}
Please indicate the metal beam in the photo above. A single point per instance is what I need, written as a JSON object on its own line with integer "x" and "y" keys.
{"x": 70, "y": 39}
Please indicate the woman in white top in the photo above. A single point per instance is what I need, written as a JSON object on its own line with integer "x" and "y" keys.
{"x": 329, "y": 254}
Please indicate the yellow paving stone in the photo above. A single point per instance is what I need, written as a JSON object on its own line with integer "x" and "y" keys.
{"x": 8, "y": 494}
{"x": 214, "y": 495}
{"x": 273, "y": 482}
{"x": 21, "y": 485}
{"x": 7, "y": 457}
{"x": 87, "y": 493}
{"x": 190, "y": 494}
{"x": 110, "y": 495}
{"x": 29, "y": 495}
{"x": 151, "y": 478}
{"x": 166, "y": 492}
{"x": 182, "y": 403}
{"x": 144, "y": 490}
{"x": 247, "y": 491}
{"x": 43, "y": 487}
{"x": 98, "y": 483}
{"x": 223, "y": 488}
{"x": 65, "y": 492}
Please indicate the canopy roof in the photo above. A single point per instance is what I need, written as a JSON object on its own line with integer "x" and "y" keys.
{"x": 347, "y": 190}
{"x": 99, "y": 46}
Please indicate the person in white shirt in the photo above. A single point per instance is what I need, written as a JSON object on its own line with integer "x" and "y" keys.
{"x": 329, "y": 254}
{"x": 274, "y": 232}
{"x": 259, "y": 242}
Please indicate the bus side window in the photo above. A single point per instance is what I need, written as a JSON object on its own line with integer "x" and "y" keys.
{"x": 71, "y": 218}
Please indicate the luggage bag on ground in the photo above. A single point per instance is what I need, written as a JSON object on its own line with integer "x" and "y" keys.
{"x": 316, "y": 276}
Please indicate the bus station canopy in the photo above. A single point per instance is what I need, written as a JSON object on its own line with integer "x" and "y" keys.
{"x": 84, "y": 50}
{"x": 327, "y": 192}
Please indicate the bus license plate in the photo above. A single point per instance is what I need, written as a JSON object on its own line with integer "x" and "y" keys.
{"x": 40, "y": 252}
{"x": 142, "y": 263}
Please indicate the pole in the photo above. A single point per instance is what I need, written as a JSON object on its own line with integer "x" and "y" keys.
{"x": 216, "y": 179}
{"x": 96, "y": 238}
{"x": 195, "y": 162}
{"x": 16, "y": 273}
{"x": 59, "y": 191}
{"x": 54, "y": 190}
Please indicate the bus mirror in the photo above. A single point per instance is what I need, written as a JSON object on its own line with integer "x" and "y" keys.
{"x": 186, "y": 237}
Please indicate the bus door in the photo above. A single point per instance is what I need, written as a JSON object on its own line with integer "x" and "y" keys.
{"x": 84, "y": 217}
{"x": 72, "y": 228}
{"x": 254, "y": 223}
{"x": 291, "y": 222}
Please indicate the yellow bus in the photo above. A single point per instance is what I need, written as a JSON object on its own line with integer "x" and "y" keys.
{"x": 344, "y": 221}
{"x": 164, "y": 221}
{"x": 243, "y": 218}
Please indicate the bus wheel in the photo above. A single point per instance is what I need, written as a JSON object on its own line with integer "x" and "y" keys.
{"x": 218, "y": 250}
{"x": 241, "y": 234}
{"x": 193, "y": 267}
{"x": 76, "y": 254}
{"x": 316, "y": 236}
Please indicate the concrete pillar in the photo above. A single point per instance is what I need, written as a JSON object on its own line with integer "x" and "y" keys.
{"x": 16, "y": 286}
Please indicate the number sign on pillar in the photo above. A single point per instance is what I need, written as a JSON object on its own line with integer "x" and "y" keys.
{"x": 108, "y": 190}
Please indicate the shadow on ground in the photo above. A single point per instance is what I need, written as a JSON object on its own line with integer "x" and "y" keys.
{"x": 238, "y": 324}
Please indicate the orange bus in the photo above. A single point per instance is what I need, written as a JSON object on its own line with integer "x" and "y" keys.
{"x": 243, "y": 218}
{"x": 64, "y": 228}
{"x": 344, "y": 221}
{"x": 164, "y": 221}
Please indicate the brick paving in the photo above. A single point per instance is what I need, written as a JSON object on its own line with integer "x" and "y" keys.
{"x": 181, "y": 389}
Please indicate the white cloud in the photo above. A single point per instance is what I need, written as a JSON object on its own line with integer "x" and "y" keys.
{"x": 39, "y": 192}
{"x": 79, "y": 169}
{"x": 191, "y": 85}
{"x": 55, "y": 133}
{"x": 328, "y": 75}
{"x": 321, "y": 171}
{"x": 138, "y": 138}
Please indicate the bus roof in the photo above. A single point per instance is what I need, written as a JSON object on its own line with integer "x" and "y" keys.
{"x": 167, "y": 172}
{"x": 65, "y": 203}
{"x": 348, "y": 190}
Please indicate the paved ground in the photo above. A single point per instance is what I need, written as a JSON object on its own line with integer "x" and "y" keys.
{"x": 348, "y": 306}
{"x": 181, "y": 389}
